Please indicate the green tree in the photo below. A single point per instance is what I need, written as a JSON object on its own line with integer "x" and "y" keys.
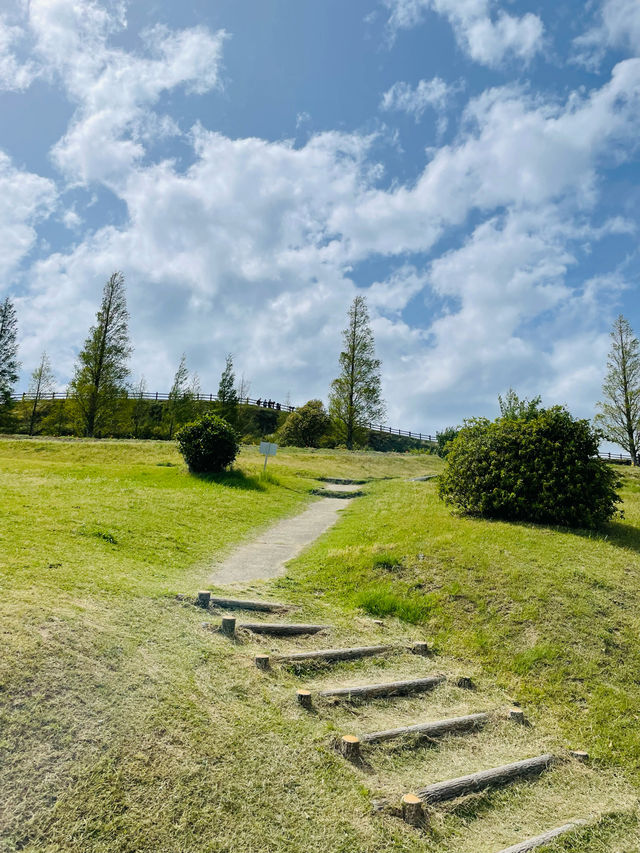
{"x": 619, "y": 415}
{"x": 43, "y": 383}
{"x": 444, "y": 439}
{"x": 100, "y": 380}
{"x": 544, "y": 468}
{"x": 178, "y": 397}
{"x": 355, "y": 398}
{"x": 514, "y": 407}
{"x": 140, "y": 408}
{"x": 306, "y": 426}
{"x": 9, "y": 364}
{"x": 227, "y": 394}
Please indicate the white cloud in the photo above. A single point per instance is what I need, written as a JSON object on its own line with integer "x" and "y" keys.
{"x": 618, "y": 27}
{"x": 414, "y": 101}
{"x": 251, "y": 249}
{"x": 25, "y": 199}
{"x": 115, "y": 90}
{"x": 487, "y": 38}
{"x": 15, "y": 75}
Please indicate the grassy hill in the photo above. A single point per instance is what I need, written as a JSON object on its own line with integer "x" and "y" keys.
{"x": 124, "y": 726}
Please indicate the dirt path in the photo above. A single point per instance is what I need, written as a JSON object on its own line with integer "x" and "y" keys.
{"x": 265, "y": 557}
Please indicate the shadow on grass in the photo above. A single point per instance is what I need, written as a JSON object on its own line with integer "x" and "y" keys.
{"x": 235, "y": 480}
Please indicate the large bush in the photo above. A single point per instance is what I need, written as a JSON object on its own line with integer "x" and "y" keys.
{"x": 208, "y": 444}
{"x": 306, "y": 426}
{"x": 542, "y": 466}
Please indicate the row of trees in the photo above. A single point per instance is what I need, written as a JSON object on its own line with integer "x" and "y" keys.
{"x": 102, "y": 402}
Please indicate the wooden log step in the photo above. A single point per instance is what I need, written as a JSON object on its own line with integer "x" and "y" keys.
{"x": 545, "y": 838}
{"x": 392, "y": 688}
{"x": 437, "y": 728}
{"x": 494, "y": 778}
{"x": 241, "y": 604}
{"x": 334, "y": 654}
{"x": 281, "y": 628}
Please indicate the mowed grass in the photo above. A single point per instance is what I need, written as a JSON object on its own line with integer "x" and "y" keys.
{"x": 551, "y": 616}
{"x": 123, "y": 725}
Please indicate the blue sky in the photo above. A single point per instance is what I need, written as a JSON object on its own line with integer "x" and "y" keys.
{"x": 250, "y": 165}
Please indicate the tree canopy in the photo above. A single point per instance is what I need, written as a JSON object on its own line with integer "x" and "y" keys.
{"x": 102, "y": 371}
{"x": 355, "y": 398}
{"x": 619, "y": 415}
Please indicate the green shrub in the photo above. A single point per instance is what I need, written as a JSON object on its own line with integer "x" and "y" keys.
{"x": 208, "y": 444}
{"x": 444, "y": 440}
{"x": 541, "y": 467}
{"x": 305, "y": 426}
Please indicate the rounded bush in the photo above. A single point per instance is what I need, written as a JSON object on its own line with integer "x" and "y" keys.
{"x": 306, "y": 426}
{"x": 542, "y": 468}
{"x": 208, "y": 444}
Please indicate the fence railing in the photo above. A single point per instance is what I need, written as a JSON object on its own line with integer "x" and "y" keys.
{"x": 266, "y": 403}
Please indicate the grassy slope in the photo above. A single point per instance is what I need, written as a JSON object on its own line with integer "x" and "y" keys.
{"x": 551, "y": 615}
{"x": 122, "y": 723}
{"x": 125, "y": 727}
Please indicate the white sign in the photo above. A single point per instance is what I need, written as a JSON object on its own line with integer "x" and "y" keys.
{"x": 268, "y": 449}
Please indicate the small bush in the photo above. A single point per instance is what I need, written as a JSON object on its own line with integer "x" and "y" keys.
{"x": 208, "y": 444}
{"x": 306, "y": 426}
{"x": 542, "y": 466}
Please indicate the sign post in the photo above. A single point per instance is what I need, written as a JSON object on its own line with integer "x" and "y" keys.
{"x": 267, "y": 449}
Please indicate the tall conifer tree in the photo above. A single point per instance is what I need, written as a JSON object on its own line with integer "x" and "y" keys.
{"x": 43, "y": 383}
{"x": 227, "y": 394}
{"x": 619, "y": 415}
{"x": 9, "y": 364}
{"x": 355, "y": 398}
{"x": 101, "y": 373}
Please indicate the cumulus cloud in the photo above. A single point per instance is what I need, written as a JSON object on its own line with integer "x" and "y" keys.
{"x": 25, "y": 199}
{"x": 254, "y": 247}
{"x": 114, "y": 90}
{"x": 414, "y": 100}
{"x": 618, "y": 26}
{"x": 486, "y": 37}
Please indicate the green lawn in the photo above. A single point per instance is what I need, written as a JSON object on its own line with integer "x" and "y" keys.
{"x": 124, "y": 726}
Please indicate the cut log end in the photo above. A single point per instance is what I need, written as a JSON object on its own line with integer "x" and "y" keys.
{"x": 516, "y": 715}
{"x": 262, "y": 661}
{"x": 579, "y": 755}
{"x": 304, "y": 699}
{"x": 350, "y": 747}
{"x": 413, "y": 811}
{"x": 228, "y": 626}
{"x": 420, "y": 649}
{"x": 204, "y": 598}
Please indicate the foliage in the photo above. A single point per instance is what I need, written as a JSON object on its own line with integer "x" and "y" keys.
{"x": 179, "y": 398}
{"x": 227, "y": 395}
{"x": 543, "y": 469}
{"x": 355, "y": 398}
{"x": 209, "y": 445}
{"x": 42, "y": 384}
{"x": 305, "y": 426}
{"x": 619, "y": 415}
{"x": 444, "y": 439}
{"x": 9, "y": 364}
{"x": 514, "y": 407}
{"x": 100, "y": 379}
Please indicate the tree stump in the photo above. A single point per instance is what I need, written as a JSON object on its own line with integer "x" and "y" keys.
{"x": 579, "y": 755}
{"x": 465, "y": 683}
{"x": 204, "y": 597}
{"x": 228, "y": 626}
{"x": 304, "y": 699}
{"x": 517, "y": 716}
{"x": 413, "y": 810}
{"x": 420, "y": 649}
{"x": 350, "y": 747}
{"x": 262, "y": 661}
